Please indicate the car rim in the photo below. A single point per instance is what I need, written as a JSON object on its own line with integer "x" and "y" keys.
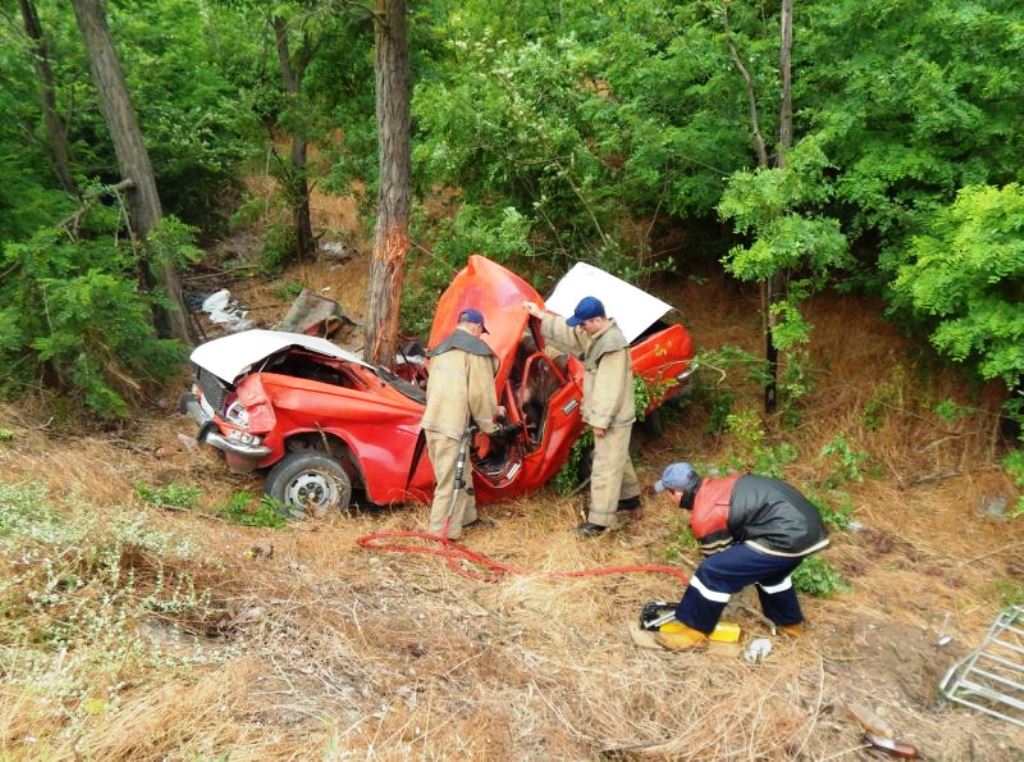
{"x": 312, "y": 492}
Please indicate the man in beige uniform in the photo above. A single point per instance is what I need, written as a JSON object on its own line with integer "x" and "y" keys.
{"x": 607, "y": 406}
{"x": 460, "y": 385}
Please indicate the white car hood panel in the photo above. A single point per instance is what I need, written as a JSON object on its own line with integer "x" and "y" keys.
{"x": 230, "y": 356}
{"x": 634, "y": 310}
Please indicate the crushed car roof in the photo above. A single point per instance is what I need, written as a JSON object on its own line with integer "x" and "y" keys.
{"x": 230, "y": 356}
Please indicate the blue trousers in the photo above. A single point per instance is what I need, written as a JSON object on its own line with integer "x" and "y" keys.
{"x": 728, "y": 572}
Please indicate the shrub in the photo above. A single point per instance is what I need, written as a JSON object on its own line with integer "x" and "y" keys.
{"x": 243, "y": 508}
{"x": 171, "y": 496}
{"x": 77, "y": 318}
{"x": 680, "y": 540}
{"x": 817, "y": 577}
{"x": 847, "y": 462}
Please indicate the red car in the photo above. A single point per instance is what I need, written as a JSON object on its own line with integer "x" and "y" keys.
{"x": 326, "y": 423}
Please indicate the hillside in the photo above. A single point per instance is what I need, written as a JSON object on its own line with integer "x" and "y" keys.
{"x": 160, "y": 634}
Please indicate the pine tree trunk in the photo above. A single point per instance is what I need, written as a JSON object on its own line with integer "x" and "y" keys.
{"x": 57, "y": 138}
{"x": 775, "y": 290}
{"x": 297, "y": 184}
{"x": 132, "y": 155}
{"x": 391, "y": 236}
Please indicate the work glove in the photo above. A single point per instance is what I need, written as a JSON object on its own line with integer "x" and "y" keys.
{"x": 505, "y": 429}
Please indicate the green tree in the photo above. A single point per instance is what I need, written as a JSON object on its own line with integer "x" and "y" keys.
{"x": 965, "y": 275}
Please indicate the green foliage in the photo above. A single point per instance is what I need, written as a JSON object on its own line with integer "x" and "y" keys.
{"x": 6, "y": 435}
{"x": 179, "y": 496}
{"x": 885, "y": 397}
{"x": 76, "y": 314}
{"x": 568, "y": 478}
{"x": 1014, "y": 465}
{"x": 279, "y": 243}
{"x": 965, "y": 275}
{"x": 245, "y": 509}
{"x": 288, "y": 290}
{"x": 847, "y": 462}
{"x": 836, "y": 507}
{"x": 719, "y": 402}
{"x": 817, "y": 577}
{"x": 764, "y": 203}
{"x": 949, "y": 411}
{"x": 646, "y": 393}
{"x": 502, "y": 234}
{"x": 753, "y": 453}
{"x": 714, "y": 386}
{"x": 1008, "y": 592}
{"x": 680, "y": 541}
{"x": 528, "y": 126}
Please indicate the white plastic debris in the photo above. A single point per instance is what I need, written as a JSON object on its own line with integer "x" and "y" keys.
{"x": 757, "y": 650}
{"x": 222, "y": 308}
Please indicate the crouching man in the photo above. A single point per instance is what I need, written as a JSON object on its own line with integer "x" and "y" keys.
{"x": 753, "y": 530}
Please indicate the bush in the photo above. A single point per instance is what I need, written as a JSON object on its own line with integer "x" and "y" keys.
{"x": 77, "y": 318}
{"x": 816, "y": 576}
{"x": 171, "y": 496}
{"x": 243, "y": 508}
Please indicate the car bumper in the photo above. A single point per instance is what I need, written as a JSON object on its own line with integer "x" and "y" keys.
{"x": 242, "y": 457}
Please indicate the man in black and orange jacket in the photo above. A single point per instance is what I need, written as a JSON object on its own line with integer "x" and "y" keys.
{"x": 753, "y": 530}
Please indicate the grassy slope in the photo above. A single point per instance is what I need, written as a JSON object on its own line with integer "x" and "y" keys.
{"x": 134, "y": 633}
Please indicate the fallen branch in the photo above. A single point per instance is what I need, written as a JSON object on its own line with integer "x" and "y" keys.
{"x": 996, "y": 552}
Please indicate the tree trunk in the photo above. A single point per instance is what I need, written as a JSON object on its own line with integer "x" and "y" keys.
{"x": 777, "y": 285}
{"x": 297, "y": 189}
{"x": 786, "y": 109}
{"x": 748, "y": 84}
{"x": 391, "y": 236}
{"x": 60, "y": 152}
{"x": 132, "y": 155}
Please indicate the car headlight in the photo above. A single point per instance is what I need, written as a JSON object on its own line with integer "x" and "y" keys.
{"x": 237, "y": 415}
{"x": 243, "y": 436}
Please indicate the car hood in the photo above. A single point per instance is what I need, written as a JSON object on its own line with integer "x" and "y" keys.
{"x": 230, "y": 356}
{"x": 634, "y": 310}
{"x": 499, "y": 295}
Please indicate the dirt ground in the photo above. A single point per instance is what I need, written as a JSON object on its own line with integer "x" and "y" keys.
{"x": 324, "y": 650}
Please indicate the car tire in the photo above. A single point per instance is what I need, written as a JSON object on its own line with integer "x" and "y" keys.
{"x": 310, "y": 484}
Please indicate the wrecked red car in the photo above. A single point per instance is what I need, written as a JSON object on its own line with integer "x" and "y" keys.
{"x": 327, "y": 424}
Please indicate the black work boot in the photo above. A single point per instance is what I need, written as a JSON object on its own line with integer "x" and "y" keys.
{"x": 630, "y": 508}
{"x": 628, "y": 503}
{"x": 589, "y": 529}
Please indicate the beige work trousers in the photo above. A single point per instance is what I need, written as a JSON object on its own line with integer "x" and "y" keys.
{"x": 443, "y": 452}
{"x": 612, "y": 478}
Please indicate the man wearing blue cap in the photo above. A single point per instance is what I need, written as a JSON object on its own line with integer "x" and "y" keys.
{"x": 754, "y": 531}
{"x": 460, "y": 386}
{"x": 608, "y": 406}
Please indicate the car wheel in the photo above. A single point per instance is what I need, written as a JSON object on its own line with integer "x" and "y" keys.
{"x": 310, "y": 484}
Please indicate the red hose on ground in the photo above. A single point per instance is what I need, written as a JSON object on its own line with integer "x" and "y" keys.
{"x": 453, "y": 554}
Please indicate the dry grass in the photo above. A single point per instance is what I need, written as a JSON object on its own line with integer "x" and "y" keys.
{"x": 327, "y": 651}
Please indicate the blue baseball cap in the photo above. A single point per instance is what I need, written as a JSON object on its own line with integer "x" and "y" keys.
{"x": 677, "y": 477}
{"x": 589, "y": 307}
{"x": 473, "y": 316}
